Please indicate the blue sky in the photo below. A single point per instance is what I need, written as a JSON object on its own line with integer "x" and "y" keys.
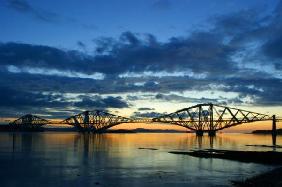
{"x": 64, "y": 23}
{"x": 61, "y": 57}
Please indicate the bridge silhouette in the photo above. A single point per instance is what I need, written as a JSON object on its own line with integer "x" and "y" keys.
{"x": 199, "y": 118}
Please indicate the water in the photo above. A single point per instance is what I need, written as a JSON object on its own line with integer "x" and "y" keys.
{"x": 74, "y": 159}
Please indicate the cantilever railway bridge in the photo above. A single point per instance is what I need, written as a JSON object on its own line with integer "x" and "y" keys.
{"x": 199, "y": 118}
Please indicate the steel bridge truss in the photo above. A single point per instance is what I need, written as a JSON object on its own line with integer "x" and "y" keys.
{"x": 210, "y": 117}
{"x": 199, "y": 118}
{"x": 95, "y": 120}
{"x": 29, "y": 121}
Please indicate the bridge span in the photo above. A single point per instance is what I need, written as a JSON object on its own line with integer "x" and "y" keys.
{"x": 199, "y": 118}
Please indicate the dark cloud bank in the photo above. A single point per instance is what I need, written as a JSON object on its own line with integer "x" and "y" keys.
{"x": 220, "y": 55}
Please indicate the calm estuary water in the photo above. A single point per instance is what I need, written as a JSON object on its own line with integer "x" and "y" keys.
{"x": 75, "y": 159}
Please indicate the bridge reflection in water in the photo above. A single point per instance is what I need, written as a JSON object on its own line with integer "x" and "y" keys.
{"x": 88, "y": 143}
{"x": 199, "y": 118}
{"x": 83, "y": 159}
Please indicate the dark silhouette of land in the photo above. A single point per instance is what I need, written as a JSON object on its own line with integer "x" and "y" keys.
{"x": 278, "y": 131}
{"x": 142, "y": 130}
{"x": 271, "y": 178}
{"x": 7, "y": 128}
{"x": 261, "y": 157}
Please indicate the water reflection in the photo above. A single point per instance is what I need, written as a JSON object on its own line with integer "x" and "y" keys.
{"x": 59, "y": 159}
{"x": 274, "y": 136}
{"x": 90, "y": 143}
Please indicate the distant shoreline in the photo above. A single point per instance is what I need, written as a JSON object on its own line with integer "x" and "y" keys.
{"x": 7, "y": 128}
{"x": 278, "y": 131}
{"x": 142, "y": 130}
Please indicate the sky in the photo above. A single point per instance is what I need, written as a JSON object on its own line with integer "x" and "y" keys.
{"x": 139, "y": 58}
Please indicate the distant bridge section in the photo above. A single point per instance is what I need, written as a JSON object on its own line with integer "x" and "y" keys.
{"x": 28, "y": 121}
{"x": 211, "y": 118}
{"x": 95, "y": 121}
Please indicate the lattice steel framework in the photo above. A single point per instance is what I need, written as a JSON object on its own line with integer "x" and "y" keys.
{"x": 29, "y": 121}
{"x": 211, "y": 117}
{"x": 95, "y": 120}
{"x": 201, "y": 117}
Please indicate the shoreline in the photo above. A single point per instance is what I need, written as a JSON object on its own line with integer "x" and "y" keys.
{"x": 273, "y": 158}
{"x": 7, "y": 128}
{"x": 263, "y": 132}
{"x": 269, "y": 178}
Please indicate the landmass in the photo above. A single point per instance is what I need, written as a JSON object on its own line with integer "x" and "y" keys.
{"x": 268, "y": 146}
{"x": 278, "y": 131}
{"x": 7, "y": 128}
{"x": 261, "y": 157}
{"x": 271, "y": 178}
{"x": 148, "y": 148}
{"x": 142, "y": 130}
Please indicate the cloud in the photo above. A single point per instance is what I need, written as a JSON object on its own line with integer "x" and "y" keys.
{"x": 26, "y": 55}
{"x": 17, "y": 98}
{"x": 82, "y": 46}
{"x": 146, "y": 114}
{"x": 238, "y": 23}
{"x": 174, "y": 97}
{"x": 145, "y": 109}
{"x": 15, "y": 101}
{"x": 58, "y": 105}
{"x": 273, "y": 47}
{"x": 100, "y": 102}
{"x": 240, "y": 55}
{"x": 256, "y": 29}
{"x": 24, "y": 7}
{"x": 161, "y": 4}
{"x": 262, "y": 91}
{"x": 201, "y": 53}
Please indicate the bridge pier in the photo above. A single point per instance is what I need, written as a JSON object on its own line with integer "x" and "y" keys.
{"x": 199, "y": 132}
{"x": 212, "y": 133}
{"x": 274, "y": 132}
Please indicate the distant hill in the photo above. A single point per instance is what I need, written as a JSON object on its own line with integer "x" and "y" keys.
{"x": 141, "y": 130}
